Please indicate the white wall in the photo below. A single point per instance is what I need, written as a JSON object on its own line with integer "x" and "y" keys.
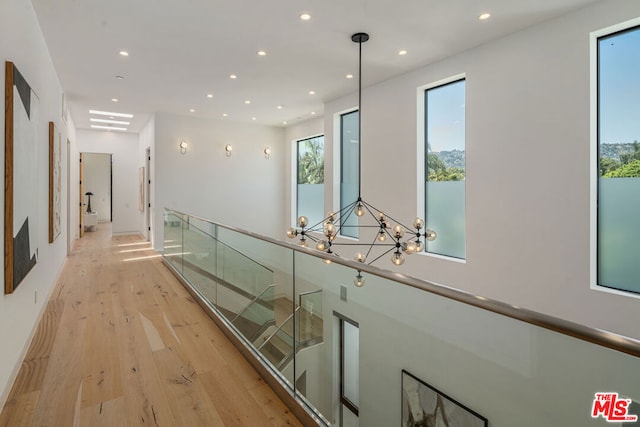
{"x": 124, "y": 147}
{"x": 96, "y": 178}
{"x": 244, "y": 190}
{"x": 22, "y": 43}
{"x": 528, "y": 168}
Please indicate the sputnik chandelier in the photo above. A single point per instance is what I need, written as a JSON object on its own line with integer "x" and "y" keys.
{"x": 398, "y": 238}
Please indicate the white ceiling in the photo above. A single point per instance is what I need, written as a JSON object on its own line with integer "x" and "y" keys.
{"x": 182, "y": 50}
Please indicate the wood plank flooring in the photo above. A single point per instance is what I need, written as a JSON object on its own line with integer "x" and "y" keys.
{"x": 122, "y": 343}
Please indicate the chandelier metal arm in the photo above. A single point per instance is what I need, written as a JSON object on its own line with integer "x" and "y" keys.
{"x": 368, "y": 205}
{"x": 362, "y": 244}
{"x": 381, "y": 255}
{"x": 352, "y": 207}
{"x": 336, "y": 214}
{"x": 372, "y": 245}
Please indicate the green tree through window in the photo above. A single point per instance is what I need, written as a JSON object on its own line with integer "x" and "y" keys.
{"x": 311, "y": 161}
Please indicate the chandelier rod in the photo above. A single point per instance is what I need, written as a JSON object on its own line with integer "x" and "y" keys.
{"x": 360, "y": 38}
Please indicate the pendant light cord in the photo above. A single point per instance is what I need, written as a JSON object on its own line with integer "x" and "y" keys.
{"x": 360, "y": 121}
{"x": 360, "y": 38}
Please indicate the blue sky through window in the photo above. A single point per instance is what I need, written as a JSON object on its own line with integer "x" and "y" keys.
{"x": 619, "y": 87}
{"x": 445, "y": 117}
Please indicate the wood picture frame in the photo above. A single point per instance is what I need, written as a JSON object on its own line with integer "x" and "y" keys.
{"x": 424, "y": 405}
{"x": 55, "y": 182}
{"x": 21, "y": 178}
{"x": 141, "y": 188}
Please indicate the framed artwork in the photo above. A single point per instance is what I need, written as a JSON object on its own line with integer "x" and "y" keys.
{"x": 141, "y": 189}
{"x": 55, "y": 183}
{"x": 21, "y": 178}
{"x": 425, "y": 406}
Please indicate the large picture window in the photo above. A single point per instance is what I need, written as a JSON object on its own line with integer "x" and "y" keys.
{"x": 445, "y": 168}
{"x": 349, "y": 171}
{"x": 310, "y": 173}
{"x": 618, "y": 166}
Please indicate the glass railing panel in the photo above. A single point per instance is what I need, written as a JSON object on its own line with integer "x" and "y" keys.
{"x": 278, "y": 349}
{"x": 257, "y": 316}
{"x": 507, "y": 371}
{"x": 240, "y": 281}
{"x": 251, "y": 280}
{"x": 172, "y": 243}
{"x": 199, "y": 259}
{"x": 314, "y": 363}
{"x": 309, "y": 318}
{"x": 244, "y": 272}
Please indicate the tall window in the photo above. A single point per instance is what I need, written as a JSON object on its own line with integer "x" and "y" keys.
{"x": 619, "y": 160}
{"x": 445, "y": 168}
{"x": 310, "y": 171}
{"x": 349, "y": 170}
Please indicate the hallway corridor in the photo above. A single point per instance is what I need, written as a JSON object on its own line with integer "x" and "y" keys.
{"x": 122, "y": 343}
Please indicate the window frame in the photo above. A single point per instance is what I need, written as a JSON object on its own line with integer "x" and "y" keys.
{"x": 421, "y": 157}
{"x": 294, "y": 174}
{"x": 594, "y": 149}
{"x": 337, "y": 162}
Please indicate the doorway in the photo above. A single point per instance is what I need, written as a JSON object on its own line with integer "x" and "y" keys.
{"x": 147, "y": 192}
{"x": 70, "y": 235}
{"x": 96, "y": 171}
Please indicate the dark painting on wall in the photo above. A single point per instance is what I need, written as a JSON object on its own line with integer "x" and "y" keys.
{"x": 21, "y": 177}
{"x": 424, "y": 406}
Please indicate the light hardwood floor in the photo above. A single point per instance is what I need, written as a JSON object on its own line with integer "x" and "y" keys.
{"x": 122, "y": 343}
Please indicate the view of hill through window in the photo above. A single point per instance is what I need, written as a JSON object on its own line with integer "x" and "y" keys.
{"x": 620, "y": 160}
{"x": 619, "y": 110}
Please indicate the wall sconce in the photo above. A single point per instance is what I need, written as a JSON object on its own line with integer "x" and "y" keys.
{"x": 228, "y": 149}
{"x": 267, "y": 152}
{"x": 183, "y": 147}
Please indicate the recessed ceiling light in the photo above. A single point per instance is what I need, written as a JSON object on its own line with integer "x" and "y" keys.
{"x": 114, "y": 99}
{"x": 313, "y": 113}
{"x": 233, "y": 76}
{"x": 209, "y": 95}
{"x": 284, "y": 123}
{"x": 349, "y": 76}
{"x": 280, "y": 107}
{"x": 484, "y": 16}
{"x": 402, "y": 52}
{"x": 224, "y": 114}
{"x": 107, "y": 127}
{"x": 124, "y": 53}
{"x": 109, "y": 113}
{"x": 192, "y": 110}
{"x": 311, "y": 92}
{"x": 262, "y": 53}
{"x": 305, "y": 16}
{"x": 119, "y": 77}
{"x": 247, "y": 102}
{"x": 113, "y": 122}
{"x": 253, "y": 118}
